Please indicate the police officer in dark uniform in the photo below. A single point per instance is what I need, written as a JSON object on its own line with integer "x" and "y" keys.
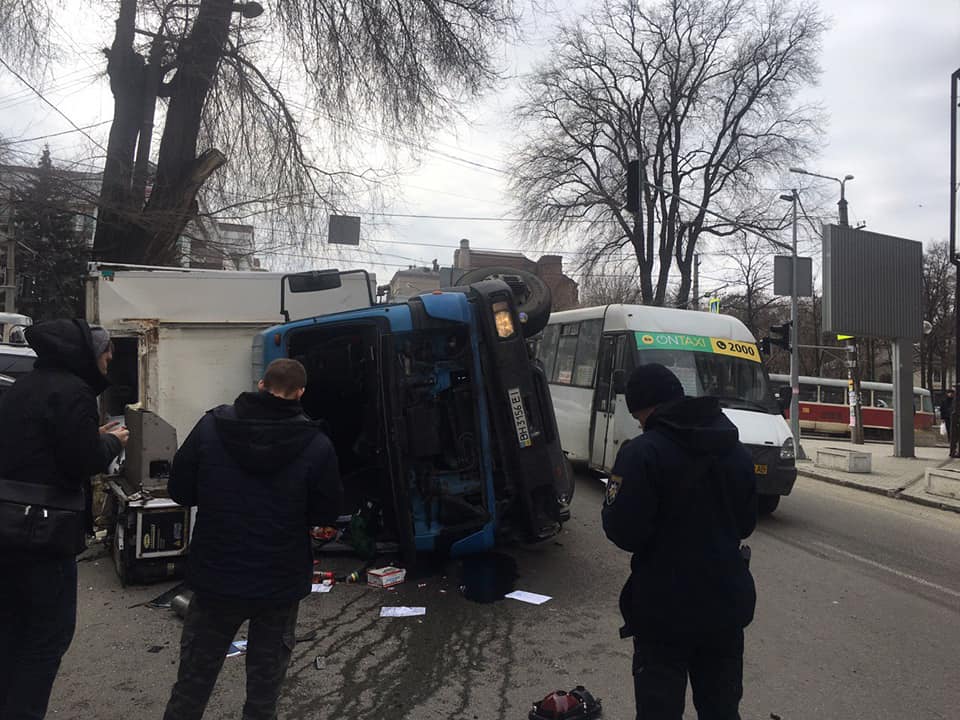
{"x": 681, "y": 498}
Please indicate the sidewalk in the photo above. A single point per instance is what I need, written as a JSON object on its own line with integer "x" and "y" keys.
{"x": 902, "y": 478}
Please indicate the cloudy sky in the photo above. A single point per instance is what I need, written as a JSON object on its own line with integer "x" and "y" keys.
{"x": 885, "y": 85}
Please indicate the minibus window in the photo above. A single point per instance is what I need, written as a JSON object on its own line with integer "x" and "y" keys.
{"x": 547, "y": 351}
{"x": 566, "y": 354}
{"x": 588, "y": 345}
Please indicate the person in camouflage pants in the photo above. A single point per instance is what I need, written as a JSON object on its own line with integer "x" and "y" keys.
{"x": 260, "y": 474}
{"x": 208, "y": 631}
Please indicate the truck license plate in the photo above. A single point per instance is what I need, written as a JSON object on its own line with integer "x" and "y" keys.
{"x": 519, "y": 417}
{"x": 759, "y": 469}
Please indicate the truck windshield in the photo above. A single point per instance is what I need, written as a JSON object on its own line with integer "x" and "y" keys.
{"x": 736, "y": 382}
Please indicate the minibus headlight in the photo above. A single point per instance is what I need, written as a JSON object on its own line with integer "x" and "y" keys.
{"x": 503, "y": 319}
{"x": 787, "y": 450}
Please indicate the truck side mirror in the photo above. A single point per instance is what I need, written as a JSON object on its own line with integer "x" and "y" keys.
{"x": 315, "y": 281}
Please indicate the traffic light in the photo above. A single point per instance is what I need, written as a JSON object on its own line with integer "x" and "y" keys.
{"x": 765, "y": 345}
{"x": 780, "y": 335}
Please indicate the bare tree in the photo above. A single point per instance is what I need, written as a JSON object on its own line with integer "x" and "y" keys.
{"x": 610, "y": 284}
{"x": 936, "y": 348}
{"x": 225, "y": 83}
{"x": 702, "y": 92}
{"x": 223, "y": 77}
{"x": 24, "y": 28}
{"x": 748, "y": 265}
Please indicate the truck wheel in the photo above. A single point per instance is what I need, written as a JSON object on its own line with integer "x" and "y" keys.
{"x": 767, "y": 503}
{"x": 531, "y": 293}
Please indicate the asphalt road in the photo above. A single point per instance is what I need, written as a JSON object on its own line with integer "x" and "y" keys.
{"x": 859, "y": 602}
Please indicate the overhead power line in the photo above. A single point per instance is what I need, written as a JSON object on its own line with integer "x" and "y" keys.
{"x": 5, "y": 143}
{"x": 60, "y": 112}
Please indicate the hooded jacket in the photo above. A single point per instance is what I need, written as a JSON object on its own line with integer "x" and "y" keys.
{"x": 261, "y": 474}
{"x": 681, "y": 498}
{"x": 49, "y": 420}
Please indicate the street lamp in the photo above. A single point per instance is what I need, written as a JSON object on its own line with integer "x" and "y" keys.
{"x": 853, "y": 373}
{"x": 842, "y": 204}
{"x": 793, "y": 198}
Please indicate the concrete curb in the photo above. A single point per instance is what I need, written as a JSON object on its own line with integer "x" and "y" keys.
{"x": 896, "y": 494}
{"x": 848, "y": 483}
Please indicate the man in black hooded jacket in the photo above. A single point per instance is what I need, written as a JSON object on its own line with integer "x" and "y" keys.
{"x": 681, "y": 497}
{"x": 261, "y": 474}
{"x": 50, "y": 435}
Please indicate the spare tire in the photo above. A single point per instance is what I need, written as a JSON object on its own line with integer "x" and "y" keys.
{"x": 531, "y": 293}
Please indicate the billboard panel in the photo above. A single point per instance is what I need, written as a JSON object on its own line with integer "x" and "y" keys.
{"x": 872, "y": 284}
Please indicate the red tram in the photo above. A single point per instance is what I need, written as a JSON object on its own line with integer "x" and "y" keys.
{"x": 824, "y": 405}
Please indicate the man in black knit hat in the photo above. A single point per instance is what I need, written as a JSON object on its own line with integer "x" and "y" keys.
{"x": 681, "y": 498}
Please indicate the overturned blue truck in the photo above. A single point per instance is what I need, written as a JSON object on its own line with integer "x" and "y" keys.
{"x": 441, "y": 418}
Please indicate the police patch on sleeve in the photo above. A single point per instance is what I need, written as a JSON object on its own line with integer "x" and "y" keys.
{"x": 613, "y": 487}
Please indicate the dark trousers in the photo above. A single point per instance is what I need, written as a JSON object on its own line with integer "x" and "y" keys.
{"x": 210, "y": 626}
{"x": 714, "y": 664}
{"x": 38, "y": 614}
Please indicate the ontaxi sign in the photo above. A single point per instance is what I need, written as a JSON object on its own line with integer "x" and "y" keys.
{"x": 697, "y": 343}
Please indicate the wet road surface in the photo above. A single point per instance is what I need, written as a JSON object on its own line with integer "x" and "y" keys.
{"x": 857, "y": 618}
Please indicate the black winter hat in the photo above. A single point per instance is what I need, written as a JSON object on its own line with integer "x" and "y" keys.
{"x": 651, "y": 385}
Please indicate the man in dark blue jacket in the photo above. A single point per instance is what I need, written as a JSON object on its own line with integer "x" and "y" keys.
{"x": 49, "y": 435}
{"x": 261, "y": 475}
{"x": 681, "y": 497}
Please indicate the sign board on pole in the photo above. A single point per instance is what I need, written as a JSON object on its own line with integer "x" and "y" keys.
{"x": 783, "y": 276}
{"x": 343, "y": 230}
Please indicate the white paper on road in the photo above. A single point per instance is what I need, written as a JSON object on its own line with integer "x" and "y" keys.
{"x": 528, "y": 597}
{"x": 320, "y": 588}
{"x": 402, "y": 611}
{"x": 237, "y": 647}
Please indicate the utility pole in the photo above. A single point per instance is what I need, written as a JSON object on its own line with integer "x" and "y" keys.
{"x": 954, "y": 159}
{"x": 793, "y": 198}
{"x": 696, "y": 281}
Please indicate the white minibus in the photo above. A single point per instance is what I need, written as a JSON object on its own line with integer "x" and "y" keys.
{"x": 589, "y": 353}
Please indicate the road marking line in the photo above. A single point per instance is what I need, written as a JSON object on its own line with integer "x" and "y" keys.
{"x": 893, "y": 571}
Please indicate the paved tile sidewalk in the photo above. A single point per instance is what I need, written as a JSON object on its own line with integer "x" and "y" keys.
{"x": 902, "y": 478}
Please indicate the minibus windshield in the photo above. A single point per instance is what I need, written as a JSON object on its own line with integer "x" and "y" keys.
{"x": 736, "y": 382}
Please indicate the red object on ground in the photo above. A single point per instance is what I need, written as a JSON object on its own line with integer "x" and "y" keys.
{"x": 578, "y": 704}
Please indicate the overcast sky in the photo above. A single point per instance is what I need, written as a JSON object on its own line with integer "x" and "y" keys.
{"x": 885, "y": 84}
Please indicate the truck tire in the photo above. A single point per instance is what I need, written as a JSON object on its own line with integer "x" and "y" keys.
{"x": 531, "y": 293}
{"x": 766, "y": 504}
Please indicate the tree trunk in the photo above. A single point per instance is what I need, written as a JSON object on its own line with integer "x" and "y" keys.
{"x": 172, "y": 202}
{"x": 118, "y": 207}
